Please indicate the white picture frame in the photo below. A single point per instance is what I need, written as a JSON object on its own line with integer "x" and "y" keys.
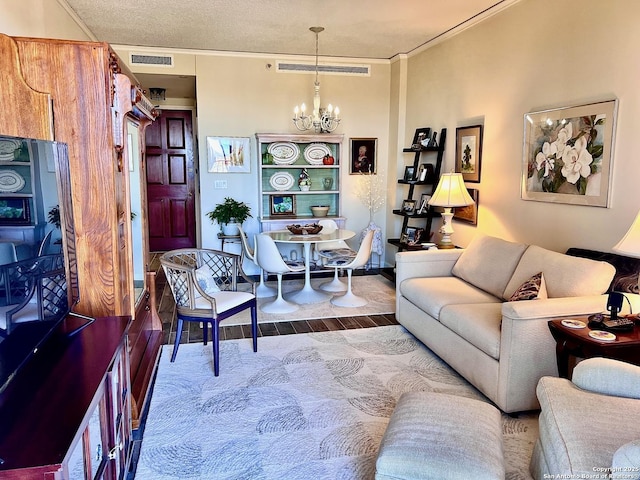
{"x": 229, "y": 154}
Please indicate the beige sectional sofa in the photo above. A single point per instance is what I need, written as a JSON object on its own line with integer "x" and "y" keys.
{"x": 456, "y": 303}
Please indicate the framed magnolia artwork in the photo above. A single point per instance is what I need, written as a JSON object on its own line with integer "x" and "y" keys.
{"x": 568, "y": 154}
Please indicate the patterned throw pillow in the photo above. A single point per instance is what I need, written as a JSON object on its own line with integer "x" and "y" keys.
{"x": 204, "y": 277}
{"x": 532, "y": 289}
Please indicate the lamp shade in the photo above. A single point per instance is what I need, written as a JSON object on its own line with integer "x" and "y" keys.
{"x": 451, "y": 192}
{"x": 630, "y": 243}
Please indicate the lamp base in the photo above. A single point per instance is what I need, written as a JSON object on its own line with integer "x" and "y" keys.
{"x": 446, "y": 230}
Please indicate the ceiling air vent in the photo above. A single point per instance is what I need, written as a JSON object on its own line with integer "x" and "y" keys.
{"x": 343, "y": 69}
{"x": 153, "y": 60}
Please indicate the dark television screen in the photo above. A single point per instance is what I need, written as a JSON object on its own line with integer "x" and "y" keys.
{"x": 38, "y": 265}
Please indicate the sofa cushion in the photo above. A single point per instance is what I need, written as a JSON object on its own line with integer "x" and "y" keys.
{"x": 531, "y": 289}
{"x": 565, "y": 276}
{"x": 478, "y": 324}
{"x": 488, "y": 263}
{"x": 432, "y": 293}
{"x": 626, "y": 462}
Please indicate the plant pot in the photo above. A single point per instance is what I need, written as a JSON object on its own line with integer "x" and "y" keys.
{"x": 230, "y": 229}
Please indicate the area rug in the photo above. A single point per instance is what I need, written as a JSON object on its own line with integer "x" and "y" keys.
{"x": 379, "y": 292}
{"x": 304, "y": 407}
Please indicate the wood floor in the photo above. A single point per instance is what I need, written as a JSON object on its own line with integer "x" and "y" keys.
{"x": 192, "y": 331}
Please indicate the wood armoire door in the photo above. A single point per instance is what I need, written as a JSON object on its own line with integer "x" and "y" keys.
{"x": 171, "y": 181}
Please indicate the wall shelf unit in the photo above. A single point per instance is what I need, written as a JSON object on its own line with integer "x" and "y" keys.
{"x": 282, "y": 159}
{"x": 416, "y": 189}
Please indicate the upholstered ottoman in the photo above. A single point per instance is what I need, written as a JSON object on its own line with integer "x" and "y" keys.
{"x": 444, "y": 437}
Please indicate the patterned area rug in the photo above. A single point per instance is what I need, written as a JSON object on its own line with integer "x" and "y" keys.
{"x": 379, "y": 292}
{"x": 305, "y": 407}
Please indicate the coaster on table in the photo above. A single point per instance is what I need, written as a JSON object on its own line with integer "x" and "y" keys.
{"x": 570, "y": 323}
{"x": 602, "y": 335}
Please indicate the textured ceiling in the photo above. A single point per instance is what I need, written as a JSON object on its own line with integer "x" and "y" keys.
{"x": 374, "y": 29}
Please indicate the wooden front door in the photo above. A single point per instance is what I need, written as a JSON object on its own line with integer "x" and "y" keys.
{"x": 171, "y": 181}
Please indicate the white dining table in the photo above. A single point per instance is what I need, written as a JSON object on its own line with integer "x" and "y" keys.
{"x": 308, "y": 294}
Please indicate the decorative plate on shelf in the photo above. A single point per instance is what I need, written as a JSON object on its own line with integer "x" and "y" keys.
{"x": 284, "y": 153}
{"x": 7, "y": 149}
{"x": 281, "y": 181}
{"x": 315, "y": 152}
{"x": 10, "y": 181}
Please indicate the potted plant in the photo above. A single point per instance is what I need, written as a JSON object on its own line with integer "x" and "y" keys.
{"x": 230, "y": 214}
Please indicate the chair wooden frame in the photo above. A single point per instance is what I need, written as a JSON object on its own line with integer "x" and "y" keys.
{"x": 194, "y": 304}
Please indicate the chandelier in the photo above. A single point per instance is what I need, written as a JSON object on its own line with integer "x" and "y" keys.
{"x": 321, "y": 120}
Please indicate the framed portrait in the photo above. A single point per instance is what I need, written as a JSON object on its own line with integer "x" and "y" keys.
{"x": 411, "y": 235}
{"x": 229, "y": 154}
{"x": 283, "y": 205}
{"x": 409, "y": 174}
{"x": 423, "y": 206}
{"x": 568, "y": 154}
{"x": 409, "y": 207}
{"x": 419, "y": 136}
{"x": 469, "y": 152}
{"x": 363, "y": 156}
{"x": 468, "y": 214}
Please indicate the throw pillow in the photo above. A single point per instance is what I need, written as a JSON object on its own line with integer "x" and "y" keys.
{"x": 204, "y": 277}
{"x": 532, "y": 289}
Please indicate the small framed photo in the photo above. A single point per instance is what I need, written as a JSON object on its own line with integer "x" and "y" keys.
{"x": 363, "y": 155}
{"x": 409, "y": 174}
{"x": 411, "y": 235}
{"x": 424, "y": 204}
{"x": 419, "y": 137}
{"x": 469, "y": 152}
{"x": 469, "y": 213}
{"x": 425, "y": 172}
{"x": 283, "y": 205}
{"x": 228, "y": 154}
{"x": 409, "y": 207}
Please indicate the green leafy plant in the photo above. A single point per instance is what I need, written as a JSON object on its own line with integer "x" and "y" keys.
{"x": 229, "y": 211}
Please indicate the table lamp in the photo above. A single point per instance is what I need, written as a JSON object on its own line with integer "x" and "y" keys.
{"x": 630, "y": 243}
{"x": 449, "y": 193}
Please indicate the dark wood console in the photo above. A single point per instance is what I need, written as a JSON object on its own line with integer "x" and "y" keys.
{"x": 67, "y": 413}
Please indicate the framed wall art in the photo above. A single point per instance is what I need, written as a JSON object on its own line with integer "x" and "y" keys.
{"x": 363, "y": 155}
{"x": 469, "y": 152}
{"x": 283, "y": 205}
{"x": 229, "y": 154}
{"x": 469, "y": 213}
{"x": 567, "y": 154}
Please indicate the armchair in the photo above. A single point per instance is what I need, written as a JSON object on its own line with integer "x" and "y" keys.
{"x": 589, "y": 425}
{"x": 204, "y": 284}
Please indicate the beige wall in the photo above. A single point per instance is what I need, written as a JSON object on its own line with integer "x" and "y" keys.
{"x": 239, "y": 96}
{"x": 38, "y": 18}
{"x": 536, "y": 55}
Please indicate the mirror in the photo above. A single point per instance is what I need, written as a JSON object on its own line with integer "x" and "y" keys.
{"x": 135, "y": 185}
{"x": 38, "y": 274}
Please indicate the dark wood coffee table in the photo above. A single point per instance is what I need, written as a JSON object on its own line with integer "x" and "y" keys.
{"x": 577, "y": 342}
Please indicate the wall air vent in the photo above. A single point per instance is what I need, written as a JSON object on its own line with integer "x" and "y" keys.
{"x": 151, "y": 60}
{"x": 342, "y": 69}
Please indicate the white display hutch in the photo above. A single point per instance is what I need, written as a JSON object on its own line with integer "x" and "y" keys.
{"x": 306, "y": 154}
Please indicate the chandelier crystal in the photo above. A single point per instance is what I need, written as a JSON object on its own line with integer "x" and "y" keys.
{"x": 321, "y": 120}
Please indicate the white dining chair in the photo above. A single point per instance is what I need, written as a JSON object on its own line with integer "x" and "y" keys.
{"x": 328, "y": 250}
{"x": 262, "y": 290}
{"x": 8, "y": 253}
{"x": 270, "y": 260}
{"x": 349, "y": 299}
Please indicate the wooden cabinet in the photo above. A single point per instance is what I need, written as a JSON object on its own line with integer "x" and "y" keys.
{"x": 66, "y": 414}
{"x": 417, "y": 218}
{"x": 92, "y": 96}
{"x": 282, "y": 161}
